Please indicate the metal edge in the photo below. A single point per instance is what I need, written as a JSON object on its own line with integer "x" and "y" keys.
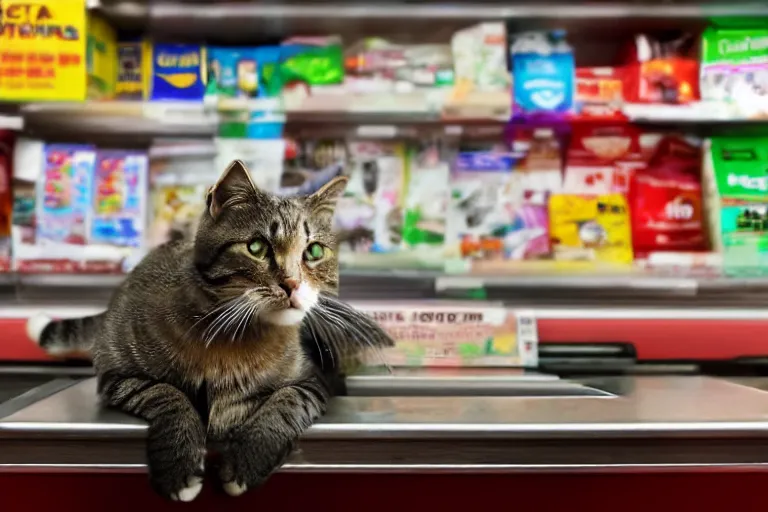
{"x": 34, "y": 395}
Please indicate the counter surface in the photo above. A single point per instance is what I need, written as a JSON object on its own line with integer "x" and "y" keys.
{"x": 611, "y": 423}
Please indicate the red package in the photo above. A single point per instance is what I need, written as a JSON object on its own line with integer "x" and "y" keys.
{"x": 665, "y": 72}
{"x": 665, "y": 200}
{"x": 599, "y": 93}
{"x": 601, "y": 158}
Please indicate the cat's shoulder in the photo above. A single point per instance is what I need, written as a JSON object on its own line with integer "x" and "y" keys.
{"x": 164, "y": 260}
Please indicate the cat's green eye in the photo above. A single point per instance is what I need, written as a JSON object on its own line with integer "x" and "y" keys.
{"x": 314, "y": 252}
{"x": 257, "y": 248}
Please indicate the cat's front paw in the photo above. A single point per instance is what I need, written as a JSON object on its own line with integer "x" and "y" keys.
{"x": 176, "y": 465}
{"x": 249, "y": 459}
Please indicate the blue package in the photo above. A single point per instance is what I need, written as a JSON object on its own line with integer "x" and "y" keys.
{"x": 544, "y": 74}
{"x": 177, "y": 72}
{"x": 244, "y": 72}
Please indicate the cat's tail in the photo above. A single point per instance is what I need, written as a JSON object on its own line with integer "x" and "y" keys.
{"x": 70, "y": 338}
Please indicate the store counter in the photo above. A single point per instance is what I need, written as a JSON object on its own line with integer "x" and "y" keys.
{"x": 506, "y": 430}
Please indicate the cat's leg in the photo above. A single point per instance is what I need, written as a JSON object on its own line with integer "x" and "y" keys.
{"x": 256, "y": 434}
{"x": 176, "y": 436}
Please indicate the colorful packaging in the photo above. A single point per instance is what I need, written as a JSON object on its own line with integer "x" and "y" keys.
{"x": 661, "y": 71}
{"x": 175, "y": 71}
{"x": 543, "y": 69}
{"x": 119, "y": 198}
{"x": 601, "y": 159}
{"x": 130, "y": 69}
{"x": 6, "y": 197}
{"x": 311, "y": 164}
{"x": 665, "y": 200}
{"x": 311, "y": 61}
{"x": 454, "y": 335}
{"x": 369, "y": 215}
{"x": 591, "y": 228}
{"x": 426, "y": 202}
{"x": 489, "y": 216}
{"x": 179, "y": 187}
{"x": 482, "y": 78}
{"x": 739, "y": 210}
{"x": 245, "y": 73}
{"x": 101, "y": 54}
{"x": 734, "y": 70}
{"x": 599, "y": 93}
{"x": 64, "y": 197}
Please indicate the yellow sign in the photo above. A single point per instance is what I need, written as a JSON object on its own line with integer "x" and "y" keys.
{"x": 42, "y": 50}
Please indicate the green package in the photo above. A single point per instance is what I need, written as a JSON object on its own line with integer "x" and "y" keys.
{"x": 740, "y": 207}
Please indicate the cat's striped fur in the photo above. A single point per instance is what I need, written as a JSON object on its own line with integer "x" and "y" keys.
{"x": 218, "y": 346}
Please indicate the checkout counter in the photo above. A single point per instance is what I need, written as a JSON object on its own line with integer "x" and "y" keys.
{"x": 431, "y": 441}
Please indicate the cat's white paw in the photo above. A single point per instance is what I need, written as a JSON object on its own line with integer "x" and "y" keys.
{"x": 190, "y": 492}
{"x": 36, "y": 325}
{"x": 234, "y": 489}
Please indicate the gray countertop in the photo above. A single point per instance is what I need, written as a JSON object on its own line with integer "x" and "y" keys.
{"x": 523, "y": 423}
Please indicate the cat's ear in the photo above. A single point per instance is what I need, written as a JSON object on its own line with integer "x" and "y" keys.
{"x": 235, "y": 186}
{"x": 323, "y": 202}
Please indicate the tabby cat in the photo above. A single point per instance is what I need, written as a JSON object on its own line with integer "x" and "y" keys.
{"x": 226, "y": 342}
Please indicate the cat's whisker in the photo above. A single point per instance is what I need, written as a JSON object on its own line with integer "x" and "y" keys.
{"x": 227, "y": 319}
{"x": 217, "y": 307}
{"x": 245, "y": 322}
{"x": 362, "y": 340}
{"x": 221, "y": 321}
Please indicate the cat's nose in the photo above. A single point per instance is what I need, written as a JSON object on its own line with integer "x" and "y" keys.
{"x": 289, "y": 285}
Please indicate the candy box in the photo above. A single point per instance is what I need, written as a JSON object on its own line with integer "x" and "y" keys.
{"x": 456, "y": 334}
{"x": 592, "y": 228}
{"x": 738, "y": 197}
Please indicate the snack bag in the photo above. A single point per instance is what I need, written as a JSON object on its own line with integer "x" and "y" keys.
{"x": 591, "y": 228}
{"x": 666, "y": 200}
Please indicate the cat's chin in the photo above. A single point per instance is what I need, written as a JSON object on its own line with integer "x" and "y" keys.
{"x": 284, "y": 317}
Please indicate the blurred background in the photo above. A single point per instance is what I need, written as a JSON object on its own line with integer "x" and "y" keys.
{"x": 546, "y": 200}
{"x": 597, "y": 168}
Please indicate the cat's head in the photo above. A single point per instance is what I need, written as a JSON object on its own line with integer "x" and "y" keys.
{"x": 276, "y": 253}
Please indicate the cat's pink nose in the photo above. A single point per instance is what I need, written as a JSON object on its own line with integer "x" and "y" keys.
{"x": 289, "y": 286}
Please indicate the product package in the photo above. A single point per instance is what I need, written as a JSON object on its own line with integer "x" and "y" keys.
{"x": 311, "y": 71}
{"x": 601, "y": 159}
{"x": 734, "y": 71}
{"x": 426, "y": 202}
{"x": 738, "y": 206}
{"x": 454, "y": 335}
{"x": 243, "y": 73}
{"x": 7, "y": 140}
{"x": 599, "y": 93}
{"x": 101, "y": 52}
{"x": 490, "y": 218}
{"x": 310, "y": 164}
{"x": 544, "y": 74}
{"x": 666, "y": 200}
{"x": 178, "y": 190}
{"x": 120, "y": 187}
{"x": 482, "y": 79}
{"x": 263, "y": 158}
{"x": 175, "y": 72}
{"x": 369, "y": 216}
{"x": 130, "y": 70}
{"x": 64, "y": 199}
{"x": 661, "y": 71}
{"x": 594, "y": 228}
